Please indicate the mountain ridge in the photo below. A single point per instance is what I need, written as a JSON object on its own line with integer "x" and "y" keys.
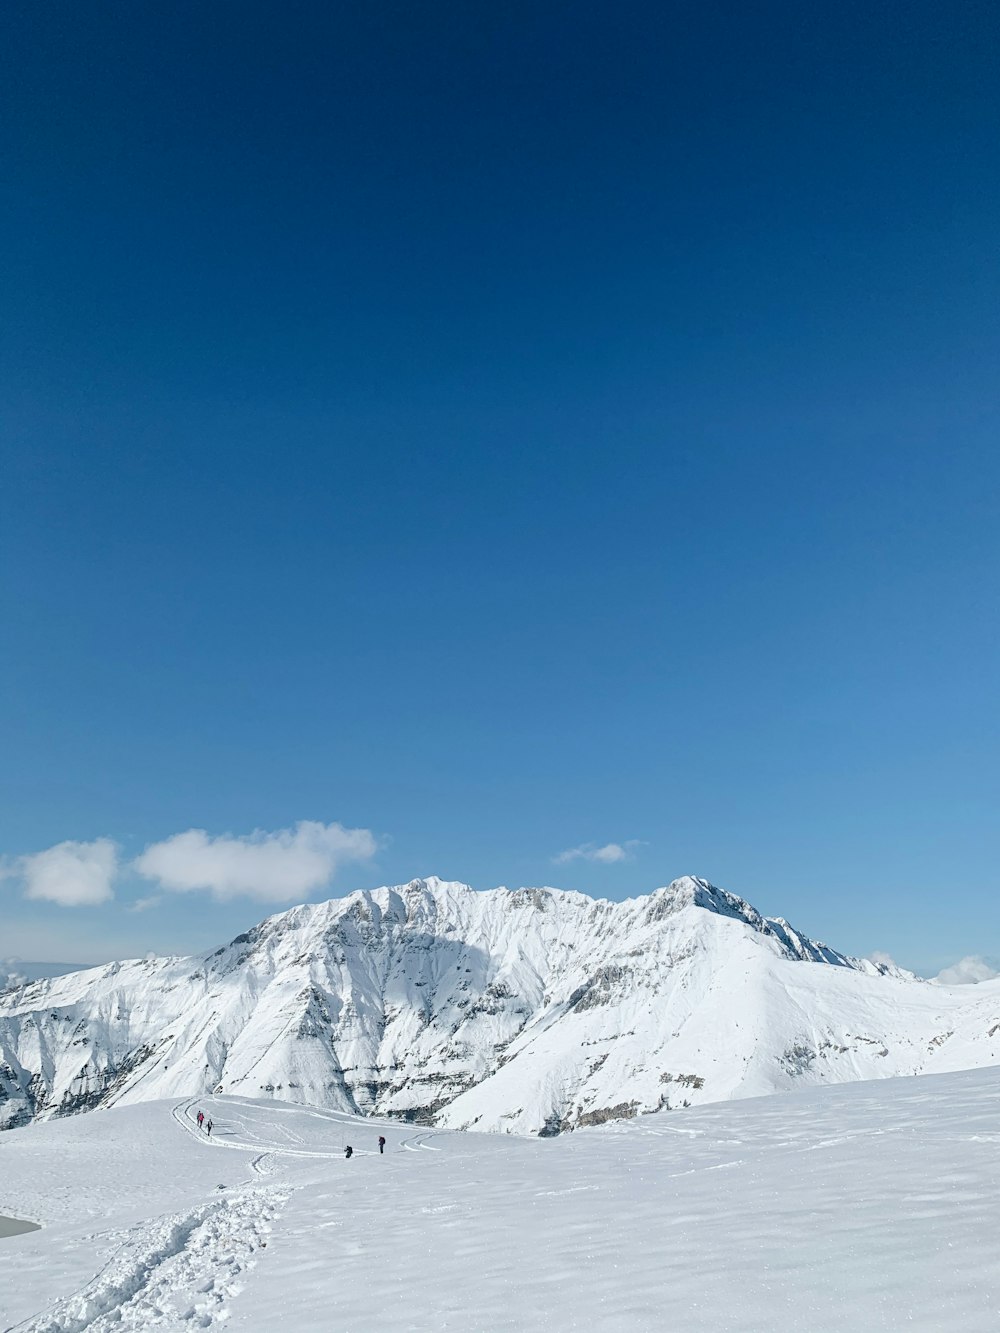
{"x": 529, "y": 1010}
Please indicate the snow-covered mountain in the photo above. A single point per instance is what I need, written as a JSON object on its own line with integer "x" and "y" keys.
{"x": 530, "y": 1010}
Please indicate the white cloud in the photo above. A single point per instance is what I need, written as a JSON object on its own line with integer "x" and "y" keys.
{"x": 882, "y": 958}
{"x": 967, "y": 971}
{"x": 72, "y": 874}
{"x": 271, "y": 867}
{"x": 144, "y": 904}
{"x": 607, "y": 855}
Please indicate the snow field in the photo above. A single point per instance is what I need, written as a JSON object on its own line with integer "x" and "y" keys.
{"x": 868, "y": 1206}
{"x": 136, "y": 1231}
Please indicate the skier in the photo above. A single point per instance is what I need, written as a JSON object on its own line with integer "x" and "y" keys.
{"x": 201, "y": 1119}
{"x": 381, "y": 1143}
{"x": 348, "y": 1151}
{"x": 208, "y": 1127}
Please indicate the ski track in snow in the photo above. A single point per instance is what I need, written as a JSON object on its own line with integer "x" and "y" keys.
{"x": 223, "y": 1136}
{"x": 250, "y": 1139}
{"x": 418, "y": 1142}
{"x": 173, "y": 1272}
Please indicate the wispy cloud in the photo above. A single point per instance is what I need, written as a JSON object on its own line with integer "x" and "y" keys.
{"x": 72, "y": 874}
{"x": 270, "y": 867}
{"x": 608, "y": 854}
{"x": 967, "y": 971}
{"x": 144, "y": 904}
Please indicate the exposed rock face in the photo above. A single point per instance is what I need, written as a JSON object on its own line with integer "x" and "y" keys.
{"x": 532, "y": 1010}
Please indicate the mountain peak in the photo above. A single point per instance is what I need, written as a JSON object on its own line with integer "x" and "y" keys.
{"x": 692, "y": 890}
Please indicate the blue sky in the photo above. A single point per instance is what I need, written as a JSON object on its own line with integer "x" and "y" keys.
{"x": 503, "y": 431}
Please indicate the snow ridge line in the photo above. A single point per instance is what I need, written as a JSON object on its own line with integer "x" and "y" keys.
{"x": 174, "y": 1270}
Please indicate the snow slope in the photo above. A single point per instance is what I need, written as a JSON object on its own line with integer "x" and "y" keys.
{"x": 869, "y": 1206}
{"x": 527, "y": 1011}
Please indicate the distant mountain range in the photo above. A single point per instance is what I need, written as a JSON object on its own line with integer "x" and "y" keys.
{"x": 528, "y": 1011}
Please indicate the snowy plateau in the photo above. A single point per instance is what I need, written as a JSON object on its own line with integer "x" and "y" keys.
{"x": 868, "y": 1206}
{"x": 531, "y": 1011}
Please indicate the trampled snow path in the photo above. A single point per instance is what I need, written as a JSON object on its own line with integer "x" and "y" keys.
{"x": 173, "y": 1272}
{"x": 182, "y": 1269}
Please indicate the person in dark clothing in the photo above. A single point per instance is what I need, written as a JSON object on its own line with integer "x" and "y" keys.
{"x": 381, "y": 1143}
{"x": 348, "y": 1151}
{"x": 208, "y": 1126}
